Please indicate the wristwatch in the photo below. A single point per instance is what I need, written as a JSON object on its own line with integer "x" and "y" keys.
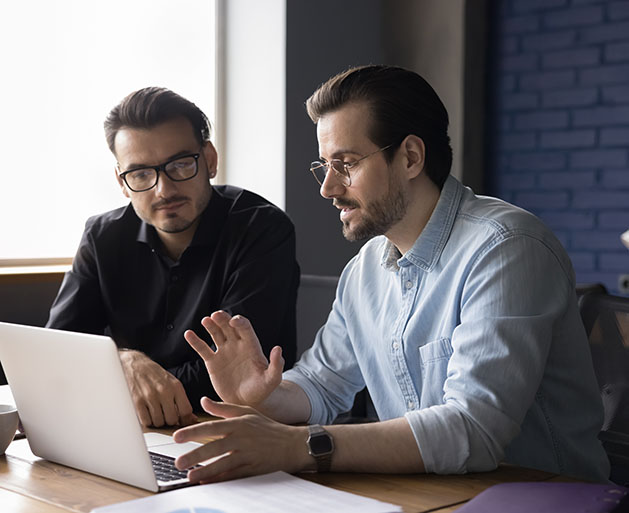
{"x": 320, "y": 447}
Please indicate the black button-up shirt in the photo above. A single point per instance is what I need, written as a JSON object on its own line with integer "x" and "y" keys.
{"x": 241, "y": 260}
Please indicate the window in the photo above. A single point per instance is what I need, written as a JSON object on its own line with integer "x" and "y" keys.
{"x": 65, "y": 64}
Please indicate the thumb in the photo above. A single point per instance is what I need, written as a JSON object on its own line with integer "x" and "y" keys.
{"x": 276, "y": 363}
{"x": 224, "y": 410}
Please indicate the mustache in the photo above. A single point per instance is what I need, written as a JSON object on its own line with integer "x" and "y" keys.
{"x": 341, "y": 203}
{"x": 169, "y": 201}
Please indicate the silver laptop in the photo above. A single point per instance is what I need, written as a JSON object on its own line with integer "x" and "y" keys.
{"x": 76, "y": 409}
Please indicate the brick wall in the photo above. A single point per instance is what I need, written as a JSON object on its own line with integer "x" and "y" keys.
{"x": 559, "y": 124}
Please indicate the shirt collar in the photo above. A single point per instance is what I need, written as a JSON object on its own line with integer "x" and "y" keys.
{"x": 427, "y": 249}
{"x": 208, "y": 231}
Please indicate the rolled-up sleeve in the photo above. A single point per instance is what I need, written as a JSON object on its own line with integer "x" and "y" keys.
{"x": 513, "y": 297}
{"x": 329, "y": 372}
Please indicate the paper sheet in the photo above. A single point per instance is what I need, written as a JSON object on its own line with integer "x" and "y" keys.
{"x": 274, "y": 493}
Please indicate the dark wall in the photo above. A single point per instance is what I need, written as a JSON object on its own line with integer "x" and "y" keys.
{"x": 322, "y": 39}
{"x": 26, "y": 299}
{"x": 560, "y": 123}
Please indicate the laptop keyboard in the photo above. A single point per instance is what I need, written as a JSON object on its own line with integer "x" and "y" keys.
{"x": 165, "y": 470}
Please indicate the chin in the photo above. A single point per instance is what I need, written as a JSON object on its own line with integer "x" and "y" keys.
{"x": 178, "y": 227}
{"x": 361, "y": 232}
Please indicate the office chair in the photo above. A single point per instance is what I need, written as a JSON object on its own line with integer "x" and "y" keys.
{"x": 314, "y": 302}
{"x": 606, "y": 321}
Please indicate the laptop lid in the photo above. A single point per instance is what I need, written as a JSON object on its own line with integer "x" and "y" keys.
{"x": 74, "y": 403}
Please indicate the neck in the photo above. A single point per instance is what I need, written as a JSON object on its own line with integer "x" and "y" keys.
{"x": 422, "y": 200}
{"x": 174, "y": 244}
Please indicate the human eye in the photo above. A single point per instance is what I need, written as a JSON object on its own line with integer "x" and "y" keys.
{"x": 182, "y": 163}
{"x": 182, "y": 168}
{"x": 140, "y": 174}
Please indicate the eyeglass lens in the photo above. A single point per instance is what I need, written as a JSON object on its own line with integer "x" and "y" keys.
{"x": 320, "y": 170}
{"x": 178, "y": 170}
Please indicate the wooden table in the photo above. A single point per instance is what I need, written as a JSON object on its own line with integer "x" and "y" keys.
{"x": 31, "y": 485}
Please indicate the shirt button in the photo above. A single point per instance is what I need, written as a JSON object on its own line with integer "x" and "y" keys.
{"x": 408, "y": 284}
{"x": 396, "y": 346}
{"x": 169, "y": 327}
{"x": 174, "y": 278}
{"x": 410, "y": 405}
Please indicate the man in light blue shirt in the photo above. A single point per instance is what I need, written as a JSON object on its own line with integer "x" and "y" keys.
{"x": 459, "y": 315}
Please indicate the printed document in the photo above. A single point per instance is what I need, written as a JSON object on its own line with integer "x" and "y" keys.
{"x": 268, "y": 493}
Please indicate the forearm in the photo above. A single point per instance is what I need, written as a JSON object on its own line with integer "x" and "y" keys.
{"x": 383, "y": 447}
{"x": 252, "y": 443}
{"x": 288, "y": 404}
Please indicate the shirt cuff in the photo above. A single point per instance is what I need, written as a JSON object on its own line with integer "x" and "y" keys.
{"x": 318, "y": 411}
{"x": 442, "y": 439}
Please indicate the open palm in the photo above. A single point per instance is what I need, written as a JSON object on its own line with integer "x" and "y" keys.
{"x": 238, "y": 369}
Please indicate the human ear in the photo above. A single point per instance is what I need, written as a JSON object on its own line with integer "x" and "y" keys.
{"x": 211, "y": 158}
{"x": 415, "y": 153}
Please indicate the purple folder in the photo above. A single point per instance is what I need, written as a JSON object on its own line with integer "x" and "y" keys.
{"x": 546, "y": 497}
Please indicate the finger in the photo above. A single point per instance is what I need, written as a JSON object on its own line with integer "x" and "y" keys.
{"x": 143, "y": 414}
{"x": 184, "y": 408}
{"x": 169, "y": 411}
{"x": 206, "y": 452}
{"x": 243, "y": 328}
{"x": 276, "y": 363}
{"x": 222, "y": 320}
{"x": 155, "y": 411}
{"x": 199, "y": 345}
{"x": 224, "y": 410}
{"x": 217, "y": 331}
{"x": 223, "y": 469}
{"x": 204, "y": 430}
{"x": 188, "y": 420}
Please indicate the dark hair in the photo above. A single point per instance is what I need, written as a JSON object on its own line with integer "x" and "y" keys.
{"x": 401, "y": 103}
{"x": 151, "y": 106}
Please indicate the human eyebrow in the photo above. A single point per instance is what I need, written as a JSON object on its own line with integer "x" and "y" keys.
{"x": 340, "y": 155}
{"x": 134, "y": 166}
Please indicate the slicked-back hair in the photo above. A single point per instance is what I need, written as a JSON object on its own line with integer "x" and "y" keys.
{"x": 400, "y": 103}
{"x": 151, "y": 106}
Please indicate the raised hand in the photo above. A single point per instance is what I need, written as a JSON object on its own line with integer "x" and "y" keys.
{"x": 238, "y": 369}
{"x": 158, "y": 396}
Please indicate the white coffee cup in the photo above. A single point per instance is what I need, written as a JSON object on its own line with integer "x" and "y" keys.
{"x": 8, "y": 425}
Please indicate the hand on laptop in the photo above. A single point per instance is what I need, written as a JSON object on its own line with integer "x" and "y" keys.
{"x": 245, "y": 443}
{"x": 238, "y": 369}
{"x": 158, "y": 396}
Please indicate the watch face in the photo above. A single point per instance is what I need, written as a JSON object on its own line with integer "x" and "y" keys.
{"x": 320, "y": 444}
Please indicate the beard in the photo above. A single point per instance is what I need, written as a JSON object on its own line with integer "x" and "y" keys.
{"x": 379, "y": 215}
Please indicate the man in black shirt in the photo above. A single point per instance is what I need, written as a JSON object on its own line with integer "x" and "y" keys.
{"x": 147, "y": 272}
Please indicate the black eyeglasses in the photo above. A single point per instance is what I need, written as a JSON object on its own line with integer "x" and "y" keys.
{"x": 342, "y": 169}
{"x": 179, "y": 169}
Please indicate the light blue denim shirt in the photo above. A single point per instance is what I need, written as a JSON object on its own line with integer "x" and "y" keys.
{"x": 473, "y": 335}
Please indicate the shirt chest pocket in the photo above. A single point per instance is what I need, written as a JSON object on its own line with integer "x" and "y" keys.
{"x": 434, "y": 357}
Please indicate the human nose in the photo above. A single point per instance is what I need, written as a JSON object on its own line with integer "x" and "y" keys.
{"x": 165, "y": 185}
{"x": 332, "y": 185}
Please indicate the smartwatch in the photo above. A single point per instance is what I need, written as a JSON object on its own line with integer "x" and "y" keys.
{"x": 320, "y": 446}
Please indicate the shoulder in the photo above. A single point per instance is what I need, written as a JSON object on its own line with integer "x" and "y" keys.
{"x": 499, "y": 220}
{"x": 113, "y": 222}
{"x": 488, "y": 225}
{"x": 243, "y": 206}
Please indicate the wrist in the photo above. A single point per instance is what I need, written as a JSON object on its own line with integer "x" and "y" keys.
{"x": 320, "y": 445}
{"x": 302, "y": 460}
